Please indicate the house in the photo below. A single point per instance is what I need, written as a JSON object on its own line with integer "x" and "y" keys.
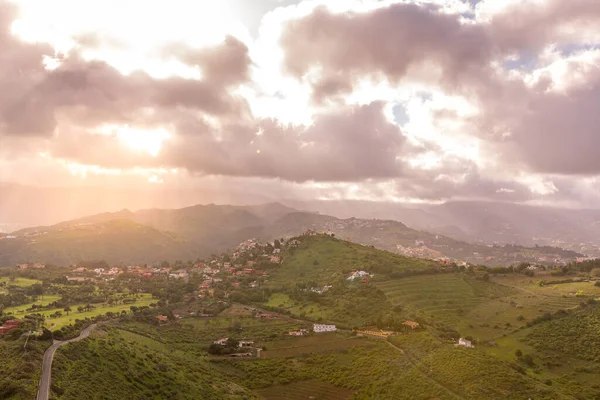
{"x": 245, "y": 343}
{"x": 318, "y": 328}
{"x": 161, "y": 318}
{"x": 9, "y": 326}
{"x": 411, "y": 324}
{"x": 299, "y": 332}
{"x": 358, "y": 274}
{"x": 221, "y": 341}
{"x": 465, "y": 343}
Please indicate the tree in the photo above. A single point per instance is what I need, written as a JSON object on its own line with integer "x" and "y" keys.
{"x": 67, "y": 309}
{"x": 528, "y": 359}
{"x": 518, "y": 353}
{"x": 80, "y": 309}
{"x": 277, "y": 244}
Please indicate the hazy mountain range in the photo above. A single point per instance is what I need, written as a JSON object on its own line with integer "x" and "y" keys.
{"x": 153, "y": 235}
{"x": 483, "y": 222}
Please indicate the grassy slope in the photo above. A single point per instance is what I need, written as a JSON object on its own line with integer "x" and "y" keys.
{"x": 20, "y": 369}
{"x": 564, "y": 351}
{"x": 471, "y": 372}
{"x": 336, "y": 259}
{"x": 117, "y": 241}
{"x": 122, "y": 365}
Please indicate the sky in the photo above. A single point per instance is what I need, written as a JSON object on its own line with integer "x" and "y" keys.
{"x": 418, "y": 101}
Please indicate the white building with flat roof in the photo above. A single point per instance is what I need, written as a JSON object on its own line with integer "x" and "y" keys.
{"x": 318, "y": 328}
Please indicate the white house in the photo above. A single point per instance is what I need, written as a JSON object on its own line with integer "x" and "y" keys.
{"x": 317, "y": 328}
{"x": 465, "y": 343}
{"x": 222, "y": 341}
{"x": 245, "y": 343}
{"x": 358, "y": 274}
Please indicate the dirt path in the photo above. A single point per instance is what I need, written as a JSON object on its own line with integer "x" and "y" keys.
{"x": 45, "y": 379}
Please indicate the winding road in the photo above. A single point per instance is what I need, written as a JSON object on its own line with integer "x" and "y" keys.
{"x": 44, "y": 386}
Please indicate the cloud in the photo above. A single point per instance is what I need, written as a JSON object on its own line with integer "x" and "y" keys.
{"x": 388, "y": 42}
{"x": 308, "y": 107}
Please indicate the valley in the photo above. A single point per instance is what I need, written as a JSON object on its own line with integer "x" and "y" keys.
{"x": 156, "y": 333}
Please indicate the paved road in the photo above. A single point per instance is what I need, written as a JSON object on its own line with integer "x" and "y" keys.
{"x": 44, "y": 387}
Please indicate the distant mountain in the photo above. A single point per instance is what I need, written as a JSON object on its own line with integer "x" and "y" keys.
{"x": 117, "y": 241}
{"x": 200, "y": 230}
{"x": 483, "y": 222}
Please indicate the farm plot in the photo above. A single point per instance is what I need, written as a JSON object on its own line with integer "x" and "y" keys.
{"x": 446, "y": 297}
{"x": 305, "y": 390}
{"x": 312, "y": 344}
{"x": 493, "y": 318}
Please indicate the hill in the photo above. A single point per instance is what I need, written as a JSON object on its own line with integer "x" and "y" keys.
{"x": 396, "y": 237}
{"x": 216, "y": 228}
{"x": 482, "y": 221}
{"x": 116, "y": 241}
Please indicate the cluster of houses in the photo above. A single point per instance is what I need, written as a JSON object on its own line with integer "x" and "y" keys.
{"x": 9, "y": 326}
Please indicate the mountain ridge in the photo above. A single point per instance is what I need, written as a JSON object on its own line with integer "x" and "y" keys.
{"x": 215, "y": 228}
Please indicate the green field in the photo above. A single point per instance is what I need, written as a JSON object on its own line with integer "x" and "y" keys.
{"x": 485, "y": 310}
{"x": 312, "y": 344}
{"x": 446, "y": 297}
{"x": 305, "y": 390}
{"x": 19, "y": 311}
{"x": 57, "y": 323}
{"x": 18, "y": 281}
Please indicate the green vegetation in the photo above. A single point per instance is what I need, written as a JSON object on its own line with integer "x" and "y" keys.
{"x": 306, "y": 390}
{"x": 21, "y": 367}
{"x": 462, "y": 370}
{"x": 116, "y": 241}
{"x": 116, "y": 365}
{"x": 18, "y": 281}
{"x": 337, "y": 258}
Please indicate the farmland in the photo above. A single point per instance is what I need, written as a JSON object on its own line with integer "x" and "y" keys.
{"x": 19, "y": 281}
{"x": 310, "y": 345}
{"x": 482, "y": 309}
{"x": 305, "y": 390}
{"x": 58, "y": 322}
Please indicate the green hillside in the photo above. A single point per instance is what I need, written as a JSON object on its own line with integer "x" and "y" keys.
{"x": 116, "y": 241}
{"x": 324, "y": 259}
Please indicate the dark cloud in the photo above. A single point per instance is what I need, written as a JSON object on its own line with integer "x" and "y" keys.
{"x": 386, "y": 42}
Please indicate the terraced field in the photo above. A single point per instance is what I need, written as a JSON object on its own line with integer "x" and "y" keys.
{"x": 305, "y": 390}
{"x": 484, "y": 310}
{"x": 493, "y": 318}
{"x": 446, "y": 297}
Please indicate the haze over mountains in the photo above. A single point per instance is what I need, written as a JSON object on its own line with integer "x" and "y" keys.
{"x": 153, "y": 235}
{"x": 482, "y": 222}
